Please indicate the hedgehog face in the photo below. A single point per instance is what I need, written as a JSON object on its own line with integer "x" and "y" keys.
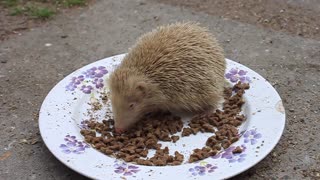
{"x": 128, "y": 104}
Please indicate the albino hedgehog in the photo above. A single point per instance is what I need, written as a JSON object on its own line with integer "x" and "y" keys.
{"x": 178, "y": 68}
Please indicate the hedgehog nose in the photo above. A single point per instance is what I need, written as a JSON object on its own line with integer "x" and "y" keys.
{"x": 119, "y": 130}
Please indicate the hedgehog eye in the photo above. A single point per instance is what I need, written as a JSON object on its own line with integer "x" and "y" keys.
{"x": 131, "y": 105}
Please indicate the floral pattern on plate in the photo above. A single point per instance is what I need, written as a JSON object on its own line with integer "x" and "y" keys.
{"x": 125, "y": 169}
{"x": 84, "y": 125}
{"x": 230, "y": 156}
{"x": 234, "y": 75}
{"x": 202, "y": 169}
{"x": 72, "y": 145}
{"x": 89, "y": 80}
{"x": 251, "y": 136}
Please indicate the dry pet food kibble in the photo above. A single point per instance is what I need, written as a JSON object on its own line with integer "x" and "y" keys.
{"x": 134, "y": 145}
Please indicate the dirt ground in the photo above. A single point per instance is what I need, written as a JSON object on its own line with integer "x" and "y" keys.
{"x": 278, "y": 39}
{"x": 296, "y": 17}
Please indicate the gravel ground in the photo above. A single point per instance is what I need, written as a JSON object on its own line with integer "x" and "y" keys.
{"x": 29, "y": 69}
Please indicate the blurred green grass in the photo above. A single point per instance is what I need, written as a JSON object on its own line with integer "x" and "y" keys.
{"x": 39, "y": 9}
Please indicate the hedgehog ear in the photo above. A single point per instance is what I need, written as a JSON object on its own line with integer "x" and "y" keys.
{"x": 142, "y": 88}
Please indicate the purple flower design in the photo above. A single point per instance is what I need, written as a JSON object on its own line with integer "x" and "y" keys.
{"x": 71, "y": 87}
{"x": 98, "y": 82}
{"x": 231, "y": 157}
{"x": 86, "y": 89}
{"x": 237, "y": 158}
{"x": 89, "y": 79}
{"x": 125, "y": 169}
{"x": 69, "y": 138}
{"x": 228, "y": 154}
{"x": 72, "y": 145}
{"x": 84, "y": 124}
{"x": 77, "y": 80}
{"x": 201, "y": 170}
{"x": 96, "y": 72}
{"x": 251, "y": 136}
{"x": 234, "y": 75}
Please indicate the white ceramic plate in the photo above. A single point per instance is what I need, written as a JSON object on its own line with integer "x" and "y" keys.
{"x": 66, "y": 106}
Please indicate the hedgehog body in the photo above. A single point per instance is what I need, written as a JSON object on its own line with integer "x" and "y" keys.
{"x": 178, "y": 67}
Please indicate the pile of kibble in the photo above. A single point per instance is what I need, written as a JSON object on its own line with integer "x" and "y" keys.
{"x": 133, "y": 146}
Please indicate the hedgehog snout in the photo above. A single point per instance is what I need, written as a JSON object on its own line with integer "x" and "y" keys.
{"x": 119, "y": 130}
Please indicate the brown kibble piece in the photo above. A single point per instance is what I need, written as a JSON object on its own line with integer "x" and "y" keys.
{"x": 160, "y": 152}
{"x": 105, "y": 122}
{"x": 194, "y": 125}
{"x": 151, "y": 144}
{"x": 227, "y": 93}
{"x": 144, "y": 153}
{"x": 159, "y": 162}
{"x": 175, "y": 138}
{"x": 193, "y": 158}
{"x": 186, "y": 132}
{"x": 207, "y": 128}
{"x": 158, "y": 146}
{"x": 175, "y": 163}
{"x": 139, "y": 150}
{"x": 164, "y": 136}
{"x": 143, "y": 162}
{"x": 138, "y": 133}
{"x": 140, "y": 145}
{"x": 241, "y": 117}
{"x": 200, "y": 154}
{"x": 226, "y": 144}
{"x": 237, "y": 150}
{"x": 166, "y": 150}
{"x": 178, "y": 157}
{"x": 241, "y": 86}
{"x": 88, "y": 138}
{"x": 91, "y": 125}
{"x": 216, "y": 147}
{"x": 235, "y": 139}
{"x": 115, "y": 147}
{"x": 151, "y": 136}
{"x": 129, "y": 150}
{"x": 99, "y": 145}
{"x": 121, "y": 155}
{"x": 195, "y": 130}
{"x": 107, "y": 140}
{"x": 108, "y": 151}
{"x": 96, "y": 140}
{"x": 130, "y": 158}
{"x": 211, "y": 141}
{"x": 206, "y": 149}
{"x": 121, "y": 138}
{"x": 170, "y": 159}
{"x": 87, "y": 132}
{"x": 213, "y": 153}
